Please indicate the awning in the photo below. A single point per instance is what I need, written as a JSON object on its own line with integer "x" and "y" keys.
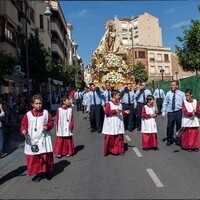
{"x": 56, "y": 82}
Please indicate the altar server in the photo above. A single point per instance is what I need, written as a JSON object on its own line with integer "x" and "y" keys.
{"x": 36, "y": 126}
{"x": 64, "y": 144}
{"x": 149, "y": 127}
{"x": 190, "y": 123}
{"x": 113, "y": 126}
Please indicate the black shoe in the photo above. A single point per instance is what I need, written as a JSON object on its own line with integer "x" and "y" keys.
{"x": 130, "y": 130}
{"x": 155, "y": 148}
{"x": 197, "y": 150}
{"x": 99, "y": 131}
{"x": 93, "y": 130}
{"x": 145, "y": 149}
{"x": 37, "y": 178}
{"x": 48, "y": 176}
{"x": 138, "y": 129}
{"x": 169, "y": 143}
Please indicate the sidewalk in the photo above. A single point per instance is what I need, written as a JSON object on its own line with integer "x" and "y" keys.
{"x": 13, "y": 139}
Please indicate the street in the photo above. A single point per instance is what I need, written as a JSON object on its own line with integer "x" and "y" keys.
{"x": 169, "y": 173}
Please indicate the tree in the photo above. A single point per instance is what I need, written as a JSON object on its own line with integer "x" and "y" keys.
{"x": 140, "y": 72}
{"x": 40, "y": 60}
{"x": 6, "y": 65}
{"x": 189, "y": 53}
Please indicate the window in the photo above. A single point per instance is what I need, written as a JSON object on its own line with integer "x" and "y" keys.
{"x": 152, "y": 58}
{"x": 159, "y": 57}
{"x": 141, "y": 54}
{"x": 167, "y": 70}
{"x": 8, "y": 34}
{"x": 159, "y": 68}
{"x": 136, "y": 40}
{"x": 152, "y": 70}
{"x": 166, "y": 57}
{"x": 48, "y": 25}
{"x": 32, "y": 14}
{"x": 41, "y": 22}
{"x": 136, "y": 54}
{"x": 135, "y": 23}
{"x": 125, "y": 30}
{"x": 124, "y": 25}
{"x": 125, "y": 40}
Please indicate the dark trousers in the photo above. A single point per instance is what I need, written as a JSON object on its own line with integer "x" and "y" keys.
{"x": 139, "y": 114}
{"x": 173, "y": 117}
{"x": 96, "y": 113}
{"x": 129, "y": 119}
{"x": 159, "y": 102}
{"x": 79, "y": 104}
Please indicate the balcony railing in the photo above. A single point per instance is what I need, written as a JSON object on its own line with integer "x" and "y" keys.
{"x": 4, "y": 38}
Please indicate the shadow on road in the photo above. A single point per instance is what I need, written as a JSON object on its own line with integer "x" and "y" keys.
{"x": 17, "y": 172}
{"x": 60, "y": 166}
{"x": 78, "y": 148}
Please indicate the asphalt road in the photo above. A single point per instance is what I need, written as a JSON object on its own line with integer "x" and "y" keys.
{"x": 169, "y": 173}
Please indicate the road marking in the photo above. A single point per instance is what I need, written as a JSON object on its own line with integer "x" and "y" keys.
{"x": 137, "y": 152}
{"x": 127, "y": 138}
{"x": 155, "y": 178}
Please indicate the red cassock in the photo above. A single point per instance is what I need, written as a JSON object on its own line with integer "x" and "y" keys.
{"x": 149, "y": 140}
{"x": 113, "y": 143}
{"x": 64, "y": 145}
{"x": 41, "y": 162}
{"x": 190, "y": 135}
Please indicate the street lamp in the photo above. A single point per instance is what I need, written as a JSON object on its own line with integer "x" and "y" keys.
{"x": 162, "y": 72}
{"x": 46, "y": 13}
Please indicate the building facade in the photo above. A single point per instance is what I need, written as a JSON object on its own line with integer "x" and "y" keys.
{"x": 143, "y": 35}
{"x": 54, "y": 33}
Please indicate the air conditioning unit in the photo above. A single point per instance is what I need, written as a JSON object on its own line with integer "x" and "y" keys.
{"x": 17, "y": 69}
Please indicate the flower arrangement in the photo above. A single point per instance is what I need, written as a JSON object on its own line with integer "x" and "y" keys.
{"x": 113, "y": 77}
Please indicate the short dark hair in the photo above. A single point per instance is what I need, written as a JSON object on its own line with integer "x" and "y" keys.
{"x": 149, "y": 97}
{"x": 174, "y": 81}
{"x": 188, "y": 91}
{"x": 114, "y": 92}
{"x": 64, "y": 98}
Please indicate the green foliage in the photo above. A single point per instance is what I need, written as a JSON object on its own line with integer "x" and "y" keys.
{"x": 140, "y": 72}
{"x": 189, "y": 53}
{"x": 6, "y": 65}
{"x": 40, "y": 61}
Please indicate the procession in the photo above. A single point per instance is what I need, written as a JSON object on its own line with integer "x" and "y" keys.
{"x": 126, "y": 126}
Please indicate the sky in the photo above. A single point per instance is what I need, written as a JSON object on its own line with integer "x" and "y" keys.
{"x": 88, "y": 19}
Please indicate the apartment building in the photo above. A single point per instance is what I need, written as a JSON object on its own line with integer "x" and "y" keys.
{"x": 144, "y": 35}
{"x": 54, "y": 33}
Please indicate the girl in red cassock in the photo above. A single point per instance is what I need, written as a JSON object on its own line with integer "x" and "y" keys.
{"x": 36, "y": 126}
{"x": 149, "y": 127}
{"x": 190, "y": 123}
{"x": 113, "y": 126}
{"x": 64, "y": 145}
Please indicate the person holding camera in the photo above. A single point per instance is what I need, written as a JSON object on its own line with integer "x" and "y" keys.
{"x": 36, "y": 126}
{"x": 2, "y": 114}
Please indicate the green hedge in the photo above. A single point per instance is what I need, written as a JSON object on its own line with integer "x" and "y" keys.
{"x": 192, "y": 82}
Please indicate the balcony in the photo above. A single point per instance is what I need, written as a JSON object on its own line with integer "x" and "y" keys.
{"x": 54, "y": 27}
{"x": 55, "y": 48}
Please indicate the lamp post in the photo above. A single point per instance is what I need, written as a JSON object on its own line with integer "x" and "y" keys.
{"x": 162, "y": 72}
{"x": 46, "y": 13}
